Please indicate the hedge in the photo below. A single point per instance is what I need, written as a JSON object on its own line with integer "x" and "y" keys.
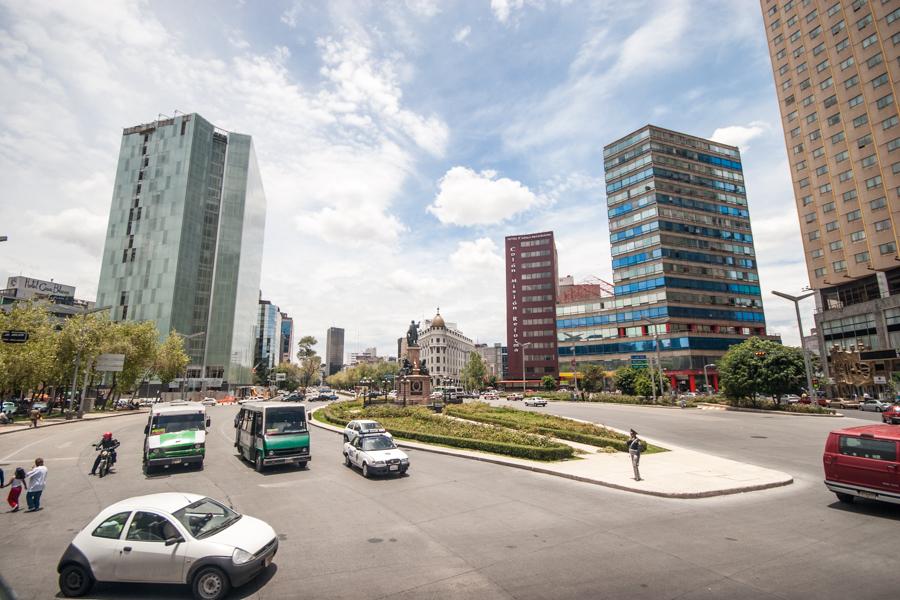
{"x": 340, "y": 413}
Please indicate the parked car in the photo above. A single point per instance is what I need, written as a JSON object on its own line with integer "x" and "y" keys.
{"x": 41, "y": 407}
{"x": 874, "y": 404}
{"x": 168, "y": 538}
{"x": 359, "y": 427}
{"x": 514, "y": 397}
{"x": 375, "y": 455}
{"x": 790, "y": 399}
{"x": 490, "y": 396}
{"x": 863, "y": 462}
{"x": 891, "y": 414}
{"x": 535, "y": 401}
{"x": 209, "y": 401}
{"x": 9, "y": 408}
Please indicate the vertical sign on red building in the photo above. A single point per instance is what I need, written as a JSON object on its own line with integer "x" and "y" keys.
{"x": 531, "y": 291}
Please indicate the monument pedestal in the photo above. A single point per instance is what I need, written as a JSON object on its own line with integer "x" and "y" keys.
{"x": 415, "y": 388}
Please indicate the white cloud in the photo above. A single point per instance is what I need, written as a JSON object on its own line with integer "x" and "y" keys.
{"x": 469, "y": 198}
{"x": 739, "y": 135}
{"x": 503, "y": 8}
{"x": 477, "y": 255}
{"x": 462, "y": 35}
{"x": 77, "y": 226}
{"x": 425, "y": 8}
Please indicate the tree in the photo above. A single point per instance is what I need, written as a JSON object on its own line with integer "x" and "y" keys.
{"x": 647, "y": 381}
{"x": 29, "y": 365}
{"x": 492, "y": 381}
{"x": 171, "y": 359}
{"x": 305, "y": 345}
{"x": 308, "y": 371}
{"x": 474, "y": 372}
{"x": 261, "y": 374}
{"x": 757, "y": 366}
{"x": 291, "y": 379}
{"x": 625, "y": 380}
{"x": 548, "y": 382}
{"x": 592, "y": 378}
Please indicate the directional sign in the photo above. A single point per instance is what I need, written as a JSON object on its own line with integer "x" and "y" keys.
{"x": 14, "y": 336}
{"x": 280, "y": 376}
{"x": 110, "y": 362}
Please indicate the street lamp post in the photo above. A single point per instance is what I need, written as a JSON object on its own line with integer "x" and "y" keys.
{"x": 806, "y": 362}
{"x": 574, "y": 338}
{"x": 184, "y": 379}
{"x": 706, "y": 378}
{"x": 82, "y": 314}
{"x": 523, "y": 346}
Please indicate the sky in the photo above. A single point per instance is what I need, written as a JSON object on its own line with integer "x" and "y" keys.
{"x": 399, "y": 141}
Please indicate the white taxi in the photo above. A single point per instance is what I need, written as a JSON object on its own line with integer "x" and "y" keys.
{"x": 375, "y": 455}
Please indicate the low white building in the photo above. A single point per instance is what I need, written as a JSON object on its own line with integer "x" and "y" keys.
{"x": 445, "y": 350}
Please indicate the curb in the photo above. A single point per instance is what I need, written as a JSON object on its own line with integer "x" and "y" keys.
{"x": 54, "y": 424}
{"x": 705, "y": 406}
{"x": 545, "y": 471}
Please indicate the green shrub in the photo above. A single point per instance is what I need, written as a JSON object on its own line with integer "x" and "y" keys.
{"x": 419, "y": 423}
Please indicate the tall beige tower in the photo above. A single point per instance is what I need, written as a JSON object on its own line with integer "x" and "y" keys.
{"x": 836, "y": 70}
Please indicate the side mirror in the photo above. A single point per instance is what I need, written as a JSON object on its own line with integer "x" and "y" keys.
{"x": 174, "y": 540}
{"x": 207, "y": 422}
{"x": 146, "y": 429}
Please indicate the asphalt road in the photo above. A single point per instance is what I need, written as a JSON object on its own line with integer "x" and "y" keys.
{"x": 456, "y": 528}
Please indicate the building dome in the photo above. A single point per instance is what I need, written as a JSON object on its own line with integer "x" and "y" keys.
{"x": 438, "y": 320}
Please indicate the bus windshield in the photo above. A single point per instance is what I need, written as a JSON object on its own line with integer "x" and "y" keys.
{"x": 285, "y": 420}
{"x": 174, "y": 423}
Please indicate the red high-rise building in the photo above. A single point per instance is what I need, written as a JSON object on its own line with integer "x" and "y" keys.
{"x": 531, "y": 291}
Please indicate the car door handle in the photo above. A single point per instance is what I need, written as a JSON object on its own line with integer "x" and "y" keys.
{"x": 127, "y": 548}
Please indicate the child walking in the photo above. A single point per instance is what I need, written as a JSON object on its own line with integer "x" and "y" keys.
{"x": 16, "y": 485}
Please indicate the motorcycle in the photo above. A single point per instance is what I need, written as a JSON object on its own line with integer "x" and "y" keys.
{"x": 105, "y": 460}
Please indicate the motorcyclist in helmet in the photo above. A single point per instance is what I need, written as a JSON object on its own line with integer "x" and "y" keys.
{"x": 107, "y": 442}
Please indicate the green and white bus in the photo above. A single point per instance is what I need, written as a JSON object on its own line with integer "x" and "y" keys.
{"x": 272, "y": 433}
{"x": 175, "y": 435}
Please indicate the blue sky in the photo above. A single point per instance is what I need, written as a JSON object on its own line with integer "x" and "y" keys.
{"x": 399, "y": 142}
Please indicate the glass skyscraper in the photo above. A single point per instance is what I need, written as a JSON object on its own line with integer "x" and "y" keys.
{"x": 684, "y": 266}
{"x": 185, "y": 239}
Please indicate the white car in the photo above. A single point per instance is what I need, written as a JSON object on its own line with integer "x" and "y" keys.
{"x": 490, "y": 396}
{"x": 359, "y": 427}
{"x": 375, "y": 455}
{"x": 210, "y": 402}
{"x": 171, "y": 537}
{"x": 535, "y": 401}
{"x": 874, "y": 404}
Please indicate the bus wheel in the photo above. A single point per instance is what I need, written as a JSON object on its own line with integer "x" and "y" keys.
{"x": 259, "y": 462}
{"x": 302, "y": 464}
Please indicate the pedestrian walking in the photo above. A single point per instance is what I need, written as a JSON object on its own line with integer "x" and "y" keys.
{"x": 15, "y": 485}
{"x": 34, "y": 415}
{"x": 634, "y": 450}
{"x": 36, "y": 478}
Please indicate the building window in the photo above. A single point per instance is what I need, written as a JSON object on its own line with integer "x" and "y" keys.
{"x": 824, "y": 188}
{"x": 864, "y": 22}
{"x": 817, "y": 253}
{"x": 877, "y": 203}
{"x": 803, "y": 183}
{"x": 813, "y": 235}
{"x": 806, "y": 200}
{"x": 880, "y": 80}
{"x": 873, "y": 182}
{"x": 849, "y": 195}
{"x": 800, "y": 165}
{"x": 810, "y": 217}
{"x": 841, "y": 156}
{"x": 889, "y": 122}
{"x": 821, "y": 170}
{"x": 893, "y": 144}
{"x": 818, "y": 152}
{"x": 838, "y": 137}
{"x": 862, "y": 257}
{"x": 845, "y": 176}
{"x": 827, "y": 208}
{"x": 875, "y": 61}
{"x": 860, "y": 120}
{"x": 839, "y": 266}
{"x": 822, "y": 66}
{"x": 853, "y": 216}
{"x": 889, "y": 248}
{"x": 848, "y": 62}
{"x": 883, "y": 225}
{"x": 821, "y": 271}
{"x": 858, "y": 236}
{"x": 842, "y": 44}
{"x": 834, "y": 119}
{"x": 872, "y": 39}
{"x": 851, "y": 82}
{"x": 868, "y": 161}
{"x": 885, "y": 101}
{"x": 831, "y": 226}
{"x": 815, "y": 135}
{"x": 864, "y": 141}
{"x": 798, "y": 148}
{"x": 835, "y": 245}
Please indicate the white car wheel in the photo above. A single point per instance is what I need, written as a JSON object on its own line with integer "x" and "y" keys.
{"x": 211, "y": 584}
{"x": 365, "y": 470}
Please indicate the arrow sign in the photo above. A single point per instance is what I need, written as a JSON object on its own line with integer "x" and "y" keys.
{"x": 14, "y": 336}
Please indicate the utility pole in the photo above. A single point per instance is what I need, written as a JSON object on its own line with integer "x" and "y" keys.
{"x": 523, "y": 346}
{"x": 82, "y": 314}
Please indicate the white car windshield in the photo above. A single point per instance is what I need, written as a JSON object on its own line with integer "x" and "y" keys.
{"x": 205, "y": 517}
{"x": 377, "y": 442}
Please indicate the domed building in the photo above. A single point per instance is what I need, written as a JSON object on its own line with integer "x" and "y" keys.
{"x": 445, "y": 350}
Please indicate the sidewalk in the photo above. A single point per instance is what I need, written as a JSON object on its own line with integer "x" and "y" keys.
{"x": 678, "y": 473}
{"x": 26, "y": 425}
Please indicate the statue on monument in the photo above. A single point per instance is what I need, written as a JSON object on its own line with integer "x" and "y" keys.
{"x": 423, "y": 370}
{"x": 412, "y": 334}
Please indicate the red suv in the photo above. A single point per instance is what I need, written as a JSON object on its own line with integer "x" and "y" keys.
{"x": 863, "y": 461}
{"x": 891, "y": 414}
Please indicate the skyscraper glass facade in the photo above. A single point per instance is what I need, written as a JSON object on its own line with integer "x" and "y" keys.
{"x": 684, "y": 266}
{"x": 184, "y": 240}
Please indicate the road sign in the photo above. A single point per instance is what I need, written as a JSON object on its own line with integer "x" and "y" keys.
{"x": 14, "y": 336}
{"x": 638, "y": 360}
{"x": 110, "y": 362}
{"x": 880, "y": 379}
{"x": 280, "y": 376}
